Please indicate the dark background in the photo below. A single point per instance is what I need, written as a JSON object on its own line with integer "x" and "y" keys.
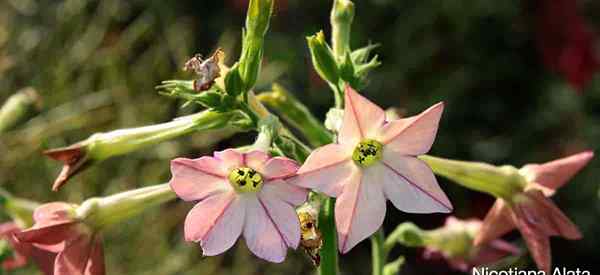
{"x": 95, "y": 64}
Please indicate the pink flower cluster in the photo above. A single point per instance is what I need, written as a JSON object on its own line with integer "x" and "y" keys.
{"x": 254, "y": 194}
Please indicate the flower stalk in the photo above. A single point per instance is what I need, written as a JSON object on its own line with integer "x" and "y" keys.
{"x": 378, "y": 253}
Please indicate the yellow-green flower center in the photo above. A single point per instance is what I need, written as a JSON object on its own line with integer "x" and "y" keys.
{"x": 245, "y": 180}
{"x": 367, "y": 152}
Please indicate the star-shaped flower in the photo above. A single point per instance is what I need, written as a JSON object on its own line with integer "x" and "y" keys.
{"x": 454, "y": 243}
{"x": 374, "y": 160}
{"x": 22, "y": 252}
{"x": 240, "y": 192}
{"x": 56, "y": 230}
{"x": 532, "y": 212}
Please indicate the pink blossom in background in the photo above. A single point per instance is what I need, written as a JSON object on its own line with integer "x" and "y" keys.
{"x": 375, "y": 160}
{"x": 22, "y": 252}
{"x": 240, "y": 193}
{"x": 466, "y": 256}
{"x": 78, "y": 247}
{"x": 566, "y": 42}
{"x": 532, "y": 212}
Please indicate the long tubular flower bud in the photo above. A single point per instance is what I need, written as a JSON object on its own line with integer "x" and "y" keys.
{"x": 18, "y": 107}
{"x": 501, "y": 182}
{"x": 101, "y": 146}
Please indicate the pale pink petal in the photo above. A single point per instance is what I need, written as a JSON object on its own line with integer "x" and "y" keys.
{"x": 215, "y": 222}
{"x": 414, "y": 135}
{"x": 325, "y": 169}
{"x": 197, "y": 179}
{"x": 53, "y": 212}
{"x": 262, "y": 235}
{"x": 555, "y": 174}
{"x": 537, "y": 242}
{"x": 561, "y": 224}
{"x": 362, "y": 119}
{"x": 416, "y": 190}
{"x": 284, "y": 217}
{"x": 226, "y": 230}
{"x": 279, "y": 168}
{"x": 95, "y": 264}
{"x": 359, "y": 210}
{"x": 256, "y": 160}
{"x": 231, "y": 159}
{"x": 493, "y": 252}
{"x": 51, "y": 237}
{"x": 73, "y": 260}
{"x": 287, "y": 192}
{"x": 497, "y": 222}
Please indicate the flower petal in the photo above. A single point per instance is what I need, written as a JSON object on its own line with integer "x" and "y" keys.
{"x": 47, "y": 237}
{"x": 561, "y": 224}
{"x": 278, "y": 168}
{"x": 414, "y": 135}
{"x": 262, "y": 235}
{"x": 284, "y": 217}
{"x": 359, "y": 210}
{"x": 325, "y": 169}
{"x": 537, "y": 242}
{"x": 231, "y": 159}
{"x": 291, "y": 194}
{"x": 497, "y": 222}
{"x": 95, "y": 264}
{"x": 196, "y": 179}
{"x": 414, "y": 188}
{"x": 215, "y": 222}
{"x": 54, "y": 212}
{"x": 73, "y": 260}
{"x": 256, "y": 160}
{"x": 555, "y": 174}
{"x": 362, "y": 119}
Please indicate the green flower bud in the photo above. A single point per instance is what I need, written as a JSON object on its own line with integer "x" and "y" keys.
{"x": 323, "y": 58}
{"x": 257, "y": 23}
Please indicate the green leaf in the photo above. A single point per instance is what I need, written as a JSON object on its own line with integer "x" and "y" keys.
{"x": 233, "y": 81}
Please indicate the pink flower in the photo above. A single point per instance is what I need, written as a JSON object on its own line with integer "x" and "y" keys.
{"x": 372, "y": 161}
{"x": 78, "y": 247}
{"x": 530, "y": 211}
{"x": 24, "y": 251}
{"x": 240, "y": 192}
{"x": 454, "y": 243}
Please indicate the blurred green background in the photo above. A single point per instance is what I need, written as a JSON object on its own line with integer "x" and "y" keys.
{"x": 95, "y": 65}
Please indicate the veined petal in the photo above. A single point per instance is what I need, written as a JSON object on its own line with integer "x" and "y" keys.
{"x": 415, "y": 183}
{"x": 95, "y": 265}
{"x": 537, "y": 242}
{"x": 225, "y": 230}
{"x": 74, "y": 258}
{"x": 497, "y": 222}
{"x": 555, "y": 174}
{"x": 278, "y": 168}
{"x": 47, "y": 237}
{"x": 284, "y": 217}
{"x": 555, "y": 217}
{"x": 256, "y": 160}
{"x": 262, "y": 235}
{"x": 53, "y": 212}
{"x": 231, "y": 159}
{"x": 196, "y": 179}
{"x": 414, "y": 135}
{"x": 209, "y": 215}
{"x": 291, "y": 194}
{"x": 326, "y": 169}
{"x": 359, "y": 210}
{"x": 362, "y": 119}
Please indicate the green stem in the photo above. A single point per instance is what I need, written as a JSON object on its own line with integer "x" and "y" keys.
{"x": 378, "y": 253}
{"x": 17, "y": 108}
{"x": 296, "y": 114}
{"x": 329, "y": 251}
